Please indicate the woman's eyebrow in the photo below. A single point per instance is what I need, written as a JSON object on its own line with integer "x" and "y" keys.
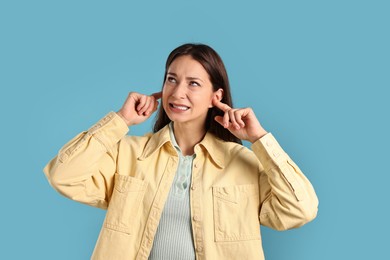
{"x": 187, "y": 78}
{"x": 194, "y": 78}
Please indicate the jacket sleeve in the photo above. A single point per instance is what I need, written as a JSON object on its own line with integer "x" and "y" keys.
{"x": 287, "y": 198}
{"x": 84, "y": 168}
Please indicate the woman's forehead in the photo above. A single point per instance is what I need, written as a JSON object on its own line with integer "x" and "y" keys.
{"x": 186, "y": 66}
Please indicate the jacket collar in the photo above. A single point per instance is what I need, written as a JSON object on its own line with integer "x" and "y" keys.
{"x": 156, "y": 141}
{"x": 213, "y": 146}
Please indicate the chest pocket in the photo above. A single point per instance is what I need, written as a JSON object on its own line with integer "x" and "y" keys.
{"x": 125, "y": 201}
{"x": 236, "y": 211}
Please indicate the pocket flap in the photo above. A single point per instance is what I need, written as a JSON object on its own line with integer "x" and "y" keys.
{"x": 225, "y": 193}
{"x": 125, "y": 183}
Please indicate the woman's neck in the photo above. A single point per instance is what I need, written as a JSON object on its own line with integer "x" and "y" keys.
{"x": 187, "y": 136}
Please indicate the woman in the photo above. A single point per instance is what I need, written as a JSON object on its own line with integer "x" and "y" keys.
{"x": 189, "y": 190}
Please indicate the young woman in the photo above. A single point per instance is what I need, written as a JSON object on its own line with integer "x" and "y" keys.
{"x": 190, "y": 190}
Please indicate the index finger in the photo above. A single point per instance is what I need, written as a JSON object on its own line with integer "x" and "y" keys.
{"x": 224, "y": 107}
{"x": 157, "y": 95}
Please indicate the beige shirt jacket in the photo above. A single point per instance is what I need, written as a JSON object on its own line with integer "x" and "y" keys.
{"x": 233, "y": 190}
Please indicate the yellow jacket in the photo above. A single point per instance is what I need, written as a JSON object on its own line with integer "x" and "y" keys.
{"x": 233, "y": 190}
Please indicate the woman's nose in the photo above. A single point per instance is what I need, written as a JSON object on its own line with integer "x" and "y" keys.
{"x": 180, "y": 91}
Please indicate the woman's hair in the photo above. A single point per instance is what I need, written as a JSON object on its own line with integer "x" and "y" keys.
{"x": 212, "y": 63}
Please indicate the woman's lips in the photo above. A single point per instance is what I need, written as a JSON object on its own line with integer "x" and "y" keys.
{"x": 179, "y": 107}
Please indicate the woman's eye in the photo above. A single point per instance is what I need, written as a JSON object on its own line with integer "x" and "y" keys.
{"x": 171, "y": 79}
{"x": 194, "y": 83}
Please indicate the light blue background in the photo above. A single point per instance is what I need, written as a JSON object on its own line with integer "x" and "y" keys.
{"x": 315, "y": 72}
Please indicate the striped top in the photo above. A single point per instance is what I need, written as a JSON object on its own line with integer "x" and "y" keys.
{"x": 173, "y": 239}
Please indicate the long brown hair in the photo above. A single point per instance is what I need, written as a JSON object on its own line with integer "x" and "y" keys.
{"x": 214, "y": 66}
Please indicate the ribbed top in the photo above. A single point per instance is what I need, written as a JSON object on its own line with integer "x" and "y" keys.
{"x": 173, "y": 239}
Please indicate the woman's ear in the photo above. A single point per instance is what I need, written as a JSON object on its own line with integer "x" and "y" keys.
{"x": 217, "y": 95}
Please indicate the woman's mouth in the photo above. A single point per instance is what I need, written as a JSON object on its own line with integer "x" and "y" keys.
{"x": 179, "y": 107}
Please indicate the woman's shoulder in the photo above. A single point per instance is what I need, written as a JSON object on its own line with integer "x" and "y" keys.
{"x": 149, "y": 140}
{"x": 232, "y": 149}
{"x": 234, "y": 155}
{"x": 137, "y": 140}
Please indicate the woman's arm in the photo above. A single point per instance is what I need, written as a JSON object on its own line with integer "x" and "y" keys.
{"x": 84, "y": 168}
{"x": 287, "y": 198}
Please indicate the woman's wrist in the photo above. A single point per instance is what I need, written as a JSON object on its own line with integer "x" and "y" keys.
{"x": 258, "y": 136}
{"x": 119, "y": 113}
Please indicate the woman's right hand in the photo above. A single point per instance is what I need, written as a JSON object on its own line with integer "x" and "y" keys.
{"x": 139, "y": 107}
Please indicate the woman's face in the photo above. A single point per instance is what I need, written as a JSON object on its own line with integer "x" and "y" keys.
{"x": 187, "y": 93}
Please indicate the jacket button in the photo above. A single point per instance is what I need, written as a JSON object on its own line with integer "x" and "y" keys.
{"x": 199, "y": 249}
{"x": 196, "y": 218}
{"x": 193, "y": 187}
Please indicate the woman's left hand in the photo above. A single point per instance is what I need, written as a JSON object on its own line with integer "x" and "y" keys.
{"x": 241, "y": 122}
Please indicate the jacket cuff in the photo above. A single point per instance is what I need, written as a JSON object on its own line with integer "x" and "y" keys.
{"x": 109, "y": 130}
{"x": 269, "y": 151}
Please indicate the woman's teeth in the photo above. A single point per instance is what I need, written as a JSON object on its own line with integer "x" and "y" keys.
{"x": 183, "y": 108}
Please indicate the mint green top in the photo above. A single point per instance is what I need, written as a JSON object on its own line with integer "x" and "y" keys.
{"x": 173, "y": 238}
